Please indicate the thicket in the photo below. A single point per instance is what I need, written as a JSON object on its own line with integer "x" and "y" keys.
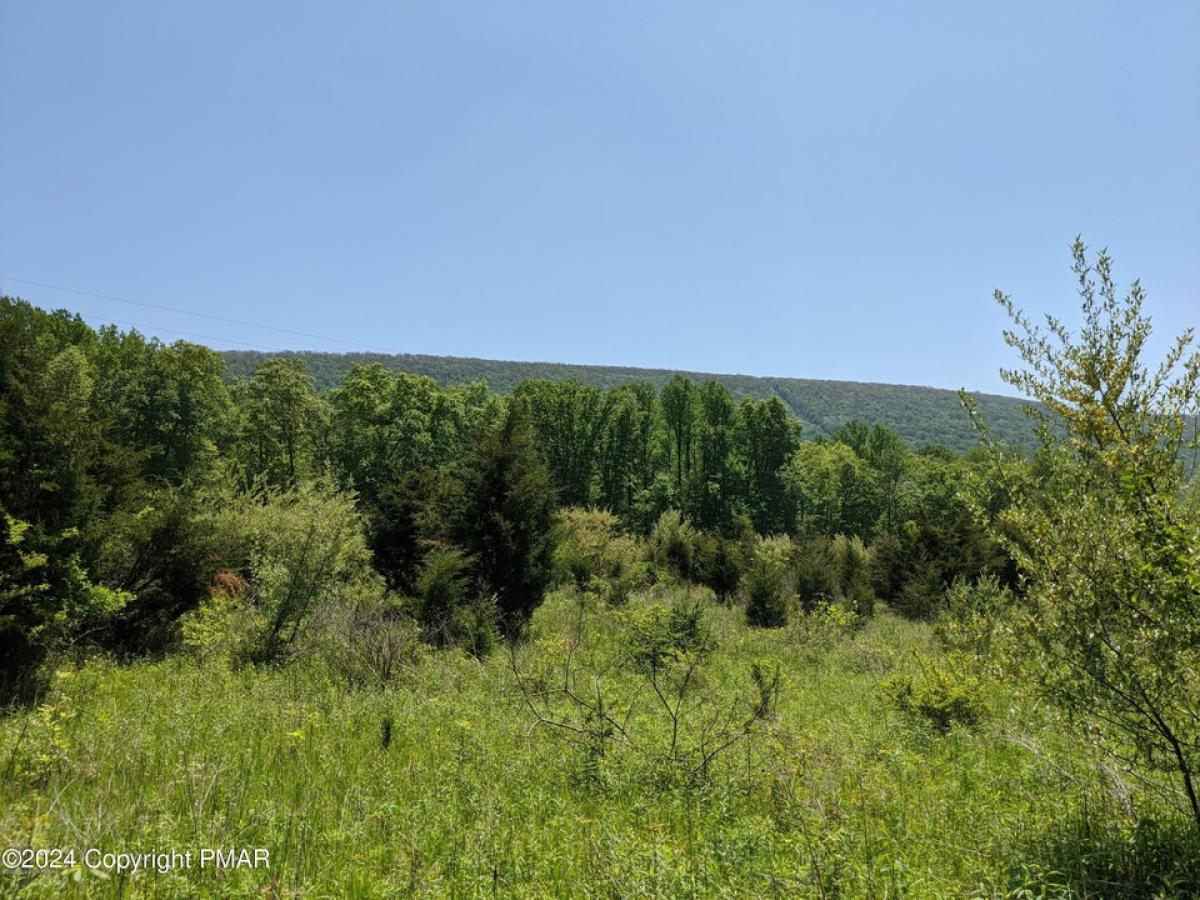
{"x": 148, "y": 504}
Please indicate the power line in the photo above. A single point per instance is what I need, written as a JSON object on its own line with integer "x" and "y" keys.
{"x": 207, "y": 337}
{"x": 199, "y": 315}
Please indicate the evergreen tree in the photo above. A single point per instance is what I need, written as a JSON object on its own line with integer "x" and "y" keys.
{"x": 507, "y": 517}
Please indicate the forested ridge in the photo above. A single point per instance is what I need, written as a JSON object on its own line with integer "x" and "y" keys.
{"x": 656, "y": 636}
{"x": 920, "y": 415}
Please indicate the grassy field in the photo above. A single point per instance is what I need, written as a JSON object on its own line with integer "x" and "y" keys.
{"x": 443, "y": 782}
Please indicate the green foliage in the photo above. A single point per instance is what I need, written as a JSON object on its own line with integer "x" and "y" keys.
{"x": 385, "y": 429}
{"x": 46, "y": 602}
{"x": 823, "y": 626}
{"x": 295, "y": 551}
{"x": 976, "y": 623}
{"x": 816, "y": 574}
{"x": 396, "y": 528}
{"x": 764, "y": 584}
{"x": 507, "y": 519}
{"x": 920, "y": 415}
{"x": 567, "y": 418}
{"x": 368, "y": 641}
{"x": 939, "y": 699}
{"x": 594, "y": 555}
{"x": 225, "y": 624}
{"x": 922, "y": 594}
{"x": 853, "y": 562}
{"x": 660, "y": 635}
{"x": 940, "y": 539}
{"x": 714, "y": 489}
{"x": 165, "y": 546}
{"x": 680, "y": 414}
{"x": 672, "y": 544}
{"x": 442, "y": 591}
{"x": 168, "y": 402}
{"x": 281, "y": 422}
{"x": 448, "y": 609}
{"x": 832, "y": 489}
{"x": 719, "y": 564}
{"x": 625, "y": 452}
{"x": 767, "y": 437}
{"x": 1108, "y": 624}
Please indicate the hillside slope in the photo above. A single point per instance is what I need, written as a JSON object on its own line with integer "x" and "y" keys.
{"x": 921, "y": 415}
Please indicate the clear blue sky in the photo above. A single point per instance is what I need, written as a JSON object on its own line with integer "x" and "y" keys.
{"x": 821, "y": 190}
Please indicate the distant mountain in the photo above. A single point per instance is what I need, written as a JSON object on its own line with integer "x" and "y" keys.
{"x": 921, "y": 415}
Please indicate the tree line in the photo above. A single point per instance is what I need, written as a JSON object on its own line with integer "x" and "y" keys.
{"x": 920, "y": 415}
{"x": 118, "y": 451}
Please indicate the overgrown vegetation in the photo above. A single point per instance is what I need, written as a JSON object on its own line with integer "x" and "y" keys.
{"x": 637, "y": 639}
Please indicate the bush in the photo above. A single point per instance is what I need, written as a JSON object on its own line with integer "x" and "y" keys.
{"x": 593, "y": 555}
{"x": 853, "y": 562}
{"x": 660, "y": 634}
{"x": 167, "y": 547}
{"x": 672, "y": 544}
{"x": 977, "y": 620}
{"x": 922, "y": 594}
{"x": 449, "y": 613}
{"x": 218, "y": 627}
{"x": 815, "y": 573}
{"x": 46, "y": 602}
{"x": 371, "y": 640}
{"x": 394, "y": 528}
{"x": 940, "y": 699}
{"x": 765, "y": 584}
{"x": 294, "y": 552}
{"x": 824, "y": 626}
{"x": 506, "y": 519}
{"x": 720, "y": 564}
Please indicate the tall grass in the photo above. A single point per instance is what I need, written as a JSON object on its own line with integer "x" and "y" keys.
{"x": 441, "y": 783}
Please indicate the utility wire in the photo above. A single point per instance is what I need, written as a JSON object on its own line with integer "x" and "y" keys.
{"x": 200, "y": 315}
{"x": 107, "y": 320}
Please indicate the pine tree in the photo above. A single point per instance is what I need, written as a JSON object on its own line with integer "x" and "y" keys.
{"x": 506, "y": 519}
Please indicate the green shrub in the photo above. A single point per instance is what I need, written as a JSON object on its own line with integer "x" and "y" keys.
{"x": 940, "y": 699}
{"x": 815, "y": 572}
{"x": 46, "y": 601}
{"x": 221, "y": 625}
{"x": 824, "y": 626}
{"x": 720, "y": 564}
{"x": 450, "y": 613}
{"x": 291, "y": 553}
{"x": 307, "y": 549}
{"x": 169, "y": 544}
{"x": 593, "y": 555}
{"x": 922, "y": 594}
{"x": 395, "y": 528}
{"x": 672, "y": 544}
{"x": 765, "y": 584}
{"x": 506, "y": 519}
{"x": 660, "y": 634}
{"x": 853, "y": 562}
{"x": 976, "y": 619}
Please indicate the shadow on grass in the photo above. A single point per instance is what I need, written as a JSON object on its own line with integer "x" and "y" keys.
{"x": 1084, "y": 858}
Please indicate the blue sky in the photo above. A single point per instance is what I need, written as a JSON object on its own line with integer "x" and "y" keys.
{"x": 816, "y": 190}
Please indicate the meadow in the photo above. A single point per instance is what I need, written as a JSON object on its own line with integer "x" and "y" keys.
{"x": 443, "y": 783}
